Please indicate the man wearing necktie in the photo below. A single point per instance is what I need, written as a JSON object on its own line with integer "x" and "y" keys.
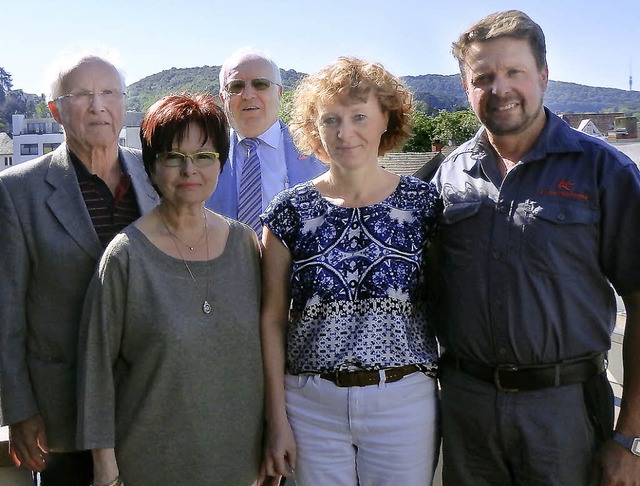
{"x": 250, "y": 193}
{"x": 263, "y": 159}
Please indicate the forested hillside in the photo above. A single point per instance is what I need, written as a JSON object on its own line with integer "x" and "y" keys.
{"x": 434, "y": 91}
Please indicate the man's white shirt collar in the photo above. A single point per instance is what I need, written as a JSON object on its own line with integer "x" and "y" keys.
{"x": 271, "y": 137}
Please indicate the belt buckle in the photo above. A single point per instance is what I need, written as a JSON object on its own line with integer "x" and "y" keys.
{"x": 496, "y": 377}
{"x": 336, "y": 374}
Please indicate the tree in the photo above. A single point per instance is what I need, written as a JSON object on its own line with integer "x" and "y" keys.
{"x": 5, "y": 80}
{"x": 14, "y": 103}
{"x": 423, "y": 133}
{"x": 5, "y": 84}
{"x": 285, "y": 106}
{"x": 37, "y": 107}
{"x": 5, "y": 87}
{"x": 456, "y": 127}
{"x": 445, "y": 127}
{"x": 42, "y": 108}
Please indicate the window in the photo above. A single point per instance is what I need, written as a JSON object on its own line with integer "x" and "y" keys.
{"x": 49, "y": 147}
{"x": 29, "y": 149}
{"x": 8, "y": 161}
{"x": 36, "y": 128}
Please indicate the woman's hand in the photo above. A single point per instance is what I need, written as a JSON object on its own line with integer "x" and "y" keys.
{"x": 279, "y": 456}
{"x": 105, "y": 468}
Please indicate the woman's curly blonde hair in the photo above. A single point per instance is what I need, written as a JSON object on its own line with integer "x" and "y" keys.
{"x": 350, "y": 79}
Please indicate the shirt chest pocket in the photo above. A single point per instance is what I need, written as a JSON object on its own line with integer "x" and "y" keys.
{"x": 559, "y": 239}
{"x": 459, "y": 212}
{"x": 461, "y": 229}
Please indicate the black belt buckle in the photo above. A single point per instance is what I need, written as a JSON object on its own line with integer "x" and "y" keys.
{"x": 496, "y": 377}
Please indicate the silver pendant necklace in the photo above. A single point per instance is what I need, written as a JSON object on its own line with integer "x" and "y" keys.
{"x": 189, "y": 246}
{"x": 206, "y": 307}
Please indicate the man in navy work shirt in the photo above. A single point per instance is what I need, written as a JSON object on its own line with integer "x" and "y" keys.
{"x": 539, "y": 221}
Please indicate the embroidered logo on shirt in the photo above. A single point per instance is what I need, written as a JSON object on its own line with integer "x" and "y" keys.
{"x": 451, "y": 195}
{"x": 565, "y": 185}
{"x": 564, "y": 188}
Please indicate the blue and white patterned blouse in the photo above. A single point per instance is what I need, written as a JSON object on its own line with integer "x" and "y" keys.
{"x": 357, "y": 285}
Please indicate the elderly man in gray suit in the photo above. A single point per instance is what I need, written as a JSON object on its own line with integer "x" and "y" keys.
{"x": 57, "y": 213}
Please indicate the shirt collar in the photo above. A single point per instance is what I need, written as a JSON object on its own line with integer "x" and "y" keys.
{"x": 81, "y": 169}
{"x": 556, "y": 137}
{"x": 271, "y": 137}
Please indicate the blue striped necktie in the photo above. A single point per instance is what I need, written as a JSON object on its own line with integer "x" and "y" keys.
{"x": 250, "y": 197}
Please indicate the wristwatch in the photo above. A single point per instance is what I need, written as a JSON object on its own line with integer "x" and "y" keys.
{"x": 630, "y": 443}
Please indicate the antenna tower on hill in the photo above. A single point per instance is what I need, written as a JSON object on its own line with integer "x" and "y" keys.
{"x": 630, "y": 76}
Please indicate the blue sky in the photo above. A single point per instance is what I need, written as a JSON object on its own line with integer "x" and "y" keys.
{"x": 587, "y": 42}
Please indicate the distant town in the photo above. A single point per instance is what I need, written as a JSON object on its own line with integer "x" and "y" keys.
{"x": 32, "y": 137}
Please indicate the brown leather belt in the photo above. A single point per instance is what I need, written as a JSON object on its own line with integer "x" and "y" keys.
{"x": 365, "y": 377}
{"x": 514, "y": 378}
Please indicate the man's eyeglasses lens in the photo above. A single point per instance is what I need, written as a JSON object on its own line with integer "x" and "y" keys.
{"x": 259, "y": 84}
{"x": 199, "y": 159}
{"x": 85, "y": 97}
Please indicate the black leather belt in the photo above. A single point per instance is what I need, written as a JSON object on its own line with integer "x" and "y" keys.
{"x": 365, "y": 377}
{"x": 514, "y": 378}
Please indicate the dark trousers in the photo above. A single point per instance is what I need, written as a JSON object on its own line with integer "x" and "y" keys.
{"x": 545, "y": 437}
{"x": 68, "y": 469}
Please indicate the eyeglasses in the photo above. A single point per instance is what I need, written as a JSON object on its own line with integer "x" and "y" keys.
{"x": 259, "y": 84}
{"x": 86, "y": 97}
{"x": 201, "y": 160}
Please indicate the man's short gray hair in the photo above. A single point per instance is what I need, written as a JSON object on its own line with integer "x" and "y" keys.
{"x": 65, "y": 66}
{"x": 245, "y": 54}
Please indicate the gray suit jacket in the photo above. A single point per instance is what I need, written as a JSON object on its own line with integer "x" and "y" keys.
{"x": 48, "y": 253}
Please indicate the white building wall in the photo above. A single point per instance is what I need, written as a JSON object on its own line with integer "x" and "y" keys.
{"x": 130, "y": 137}
{"x": 6, "y": 161}
{"x": 37, "y": 143}
{"x": 27, "y": 146}
{"x": 6, "y": 153}
{"x": 22, "y": 145}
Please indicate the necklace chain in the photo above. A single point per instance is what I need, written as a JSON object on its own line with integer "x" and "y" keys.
{"x": 206, "y": 307}
{"x": 175, "y": 236}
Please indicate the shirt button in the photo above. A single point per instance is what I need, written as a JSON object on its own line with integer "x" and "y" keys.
{"x": 561, "y": 217}
{"x": 495, "y": 254}
{"x": 502, "y": 351}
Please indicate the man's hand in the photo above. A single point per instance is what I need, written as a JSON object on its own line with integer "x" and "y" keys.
{"x": 28, "y": 443}
{"x": 617, "y": 467}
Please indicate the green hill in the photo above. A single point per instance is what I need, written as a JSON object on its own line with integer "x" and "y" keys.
{"x": 434, "y": 91}
{"x": 141, "y": 94}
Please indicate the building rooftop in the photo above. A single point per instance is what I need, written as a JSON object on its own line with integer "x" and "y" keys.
{"x": 419, "y": 164}
{"x": 6, "y": 144}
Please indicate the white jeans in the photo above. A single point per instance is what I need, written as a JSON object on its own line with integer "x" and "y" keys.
{"x": 380, "y": 435}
